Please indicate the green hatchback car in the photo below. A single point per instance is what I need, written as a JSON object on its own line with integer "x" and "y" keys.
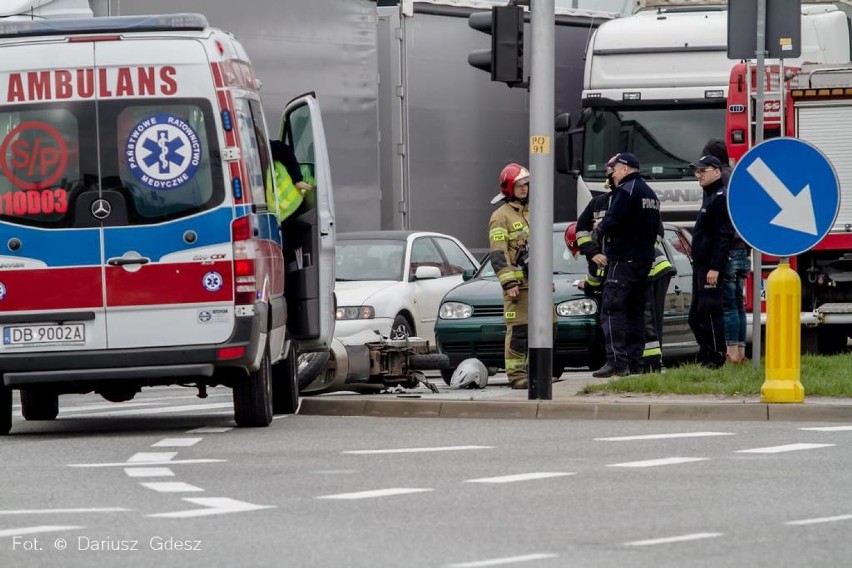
{"x": 470, "y": 318}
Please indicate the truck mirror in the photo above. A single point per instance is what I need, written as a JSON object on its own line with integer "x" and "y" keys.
{"x": 563, "y": 122}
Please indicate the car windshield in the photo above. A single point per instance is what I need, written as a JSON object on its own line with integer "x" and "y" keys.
{"x": 369, "y": 259}
{"x": 563, "y": 261}
{"x": 664, "y": 140}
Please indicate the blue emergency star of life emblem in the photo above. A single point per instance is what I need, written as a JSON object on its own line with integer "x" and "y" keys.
{"x": 163, "y": 152}
{"x": 212, "y": 281}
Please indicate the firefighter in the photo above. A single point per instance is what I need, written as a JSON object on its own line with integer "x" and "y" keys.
{"x": 629, "y": 231}
{"x": 508, "y": 236}
{"x": 659, "y": 277}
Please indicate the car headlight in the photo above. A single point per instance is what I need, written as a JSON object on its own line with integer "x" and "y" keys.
{"x": 455, "y": 311}
{"x": 354, "y": 313}
{"x": 584, "y": 307}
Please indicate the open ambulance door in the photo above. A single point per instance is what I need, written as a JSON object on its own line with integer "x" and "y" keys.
{"x": 309, "y": 236}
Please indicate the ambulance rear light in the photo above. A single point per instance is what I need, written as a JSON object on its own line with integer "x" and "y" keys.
{"x": 245, "y": 281}
{"x": 241, "y": 229}
{"x": 163, "y": 23}
{"x": 231, "y": 352}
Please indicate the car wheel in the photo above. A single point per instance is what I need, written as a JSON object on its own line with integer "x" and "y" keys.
{"x": 253, "y": 396}
{"x": 285, "y": 384}
{"x": 401, "y": 328}
{"x": 447, "y": 374}
{"x": 37, "y": 405}
{"x": 5, "y": 410}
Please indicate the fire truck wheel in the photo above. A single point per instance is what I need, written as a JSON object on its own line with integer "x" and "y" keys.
{"x": 285, "y": 384}
{"x": 37, "y": 405}
{"x": 253, "y": 396}
{"x": 5, "y": 410}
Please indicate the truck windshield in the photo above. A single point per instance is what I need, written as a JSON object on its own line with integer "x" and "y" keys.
{"x": 664, "y": 140}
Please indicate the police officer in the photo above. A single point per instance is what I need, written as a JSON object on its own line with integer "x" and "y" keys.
{"x": 711, "y": 241}
{"x": 292, "y": 181}
{"x": 628, "y": 230}
{"x": 508, "y": 235}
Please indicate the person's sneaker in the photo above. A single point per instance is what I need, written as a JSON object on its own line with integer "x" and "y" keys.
{"x": 609, "y": 371}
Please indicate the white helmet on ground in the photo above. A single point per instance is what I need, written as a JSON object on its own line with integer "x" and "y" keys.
{"x": 470, "y": 374}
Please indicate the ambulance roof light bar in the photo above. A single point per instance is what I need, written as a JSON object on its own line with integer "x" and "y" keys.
{"x": 162, "y": 23}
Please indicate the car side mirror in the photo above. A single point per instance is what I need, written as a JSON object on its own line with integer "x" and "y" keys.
{"x": 468, "y": 274}
{"x": 427, "y": 273}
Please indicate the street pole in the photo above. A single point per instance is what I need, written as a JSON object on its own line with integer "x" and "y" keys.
{"x": 542, "y": 108}
{"x": 756, "y": 260}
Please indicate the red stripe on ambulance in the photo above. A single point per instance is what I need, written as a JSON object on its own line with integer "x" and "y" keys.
{"x": 162, "y": 284}
{"x": 52, "y": 289}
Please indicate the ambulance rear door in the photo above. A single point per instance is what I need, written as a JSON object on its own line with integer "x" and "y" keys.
{"x": 167, "y": 224}
{"x": 309, "y": 234}
{"x": 51, "y": 278}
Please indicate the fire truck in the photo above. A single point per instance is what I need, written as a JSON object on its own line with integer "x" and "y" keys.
{"x": 813, "y": 103}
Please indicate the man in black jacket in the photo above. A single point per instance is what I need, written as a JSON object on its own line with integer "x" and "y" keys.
{"x": 628, "y": 232}
{"x": 711, "y": 241}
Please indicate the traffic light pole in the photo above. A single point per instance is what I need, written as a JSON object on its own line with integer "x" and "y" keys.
{"x": 542, "y": 108}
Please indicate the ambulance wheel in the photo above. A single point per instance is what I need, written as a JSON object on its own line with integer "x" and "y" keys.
{"x": 5, "y": 409}
{"x": 285, "y": 384}
{"x": 253, "y": 396}
{"x": 37, "y": 405}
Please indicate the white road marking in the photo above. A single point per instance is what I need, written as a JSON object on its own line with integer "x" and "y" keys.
{"x": 280, "y": 416}
{"x": 672, "y": 539}
{"x": 213, "y": 506}
{"x": 178, "y": 397}
{"x": 819, "y": 520}
{"x": 665, "y": 436}
{"x": 786, "y": 448}
{"x": 210, "y": 430}
{"x": 154, "y": 411}
{"x": 171, "y": 486}
{"x": 519, "y": 477}
{"x": 63, "y": 511}
{"x": 148, "y": 472}
{"x": 829, "y": 428}
{"x": 655, "y": 463}
{"x": 502, "y": 561}
{"x": 34, "y": 530}
{"x": 164, "y": 462}
{"x": 375, "y": 493}
{"x": 176, "y": 442}
{"x": 417, "y": 450}
{"x": 146, "y": 457}
{"x": 103, "y": 406}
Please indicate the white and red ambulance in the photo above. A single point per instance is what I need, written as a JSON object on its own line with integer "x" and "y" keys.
{"x": 137, "y": 246}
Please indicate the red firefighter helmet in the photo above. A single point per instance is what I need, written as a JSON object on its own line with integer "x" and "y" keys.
{"x": 571, "y": 238}
{"x": 511, "y": 174}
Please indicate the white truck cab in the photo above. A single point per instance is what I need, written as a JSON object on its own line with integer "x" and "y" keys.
{"x": 655, "y": 84}
{"x": 137, "y": 241}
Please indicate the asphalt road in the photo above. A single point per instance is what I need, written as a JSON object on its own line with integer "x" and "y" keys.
{"x": 170, "y": 481}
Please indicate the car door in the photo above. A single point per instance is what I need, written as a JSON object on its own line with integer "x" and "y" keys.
{"x": 161, "y": 202}
{"x": 676, "y": 332}
{"x": 309, "y": 234}
{"x": 428, "y": 293}
{"x": 51, "y": 280}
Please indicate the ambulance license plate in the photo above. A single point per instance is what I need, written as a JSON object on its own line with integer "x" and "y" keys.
{"x": 49, "y": 334}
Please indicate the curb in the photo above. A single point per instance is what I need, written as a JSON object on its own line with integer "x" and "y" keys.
{"x": 562, "y": 410}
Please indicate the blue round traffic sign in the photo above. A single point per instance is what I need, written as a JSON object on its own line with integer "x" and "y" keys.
{"x": 783, "y": 196}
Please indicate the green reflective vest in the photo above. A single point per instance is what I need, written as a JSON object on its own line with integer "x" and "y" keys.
{"x": 289, "y": 197}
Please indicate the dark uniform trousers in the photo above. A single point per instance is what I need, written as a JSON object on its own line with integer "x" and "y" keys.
{"x": 516, "y": 318}
{"x": 707, "y": 319}
{"x": 655, "y": 307}
{"x": 623, "y": 311}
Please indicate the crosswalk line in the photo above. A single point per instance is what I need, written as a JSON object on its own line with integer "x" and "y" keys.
{"x": 375, "y": 493}
{"x": 784, "y": 448}
{"x": 657, "y": 462}
{"x": 519, "y": 477}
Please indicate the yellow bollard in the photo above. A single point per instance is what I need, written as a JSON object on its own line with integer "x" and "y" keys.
{"x": 783, "y": 337}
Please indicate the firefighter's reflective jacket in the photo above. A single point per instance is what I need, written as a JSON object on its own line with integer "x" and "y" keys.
{"x": 508, "y": 236}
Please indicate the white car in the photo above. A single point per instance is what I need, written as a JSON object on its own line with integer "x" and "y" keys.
{"x": 394, "y": 281}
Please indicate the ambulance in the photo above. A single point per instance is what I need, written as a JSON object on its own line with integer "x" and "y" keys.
{"x": 138, "y": 244}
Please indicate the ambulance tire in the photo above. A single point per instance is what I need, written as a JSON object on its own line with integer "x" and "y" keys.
{"x": 39, "y": 405}
{"x": 285, "y": 384}
{"x": 5, "y": 409}
{"x": 253, "y": 396}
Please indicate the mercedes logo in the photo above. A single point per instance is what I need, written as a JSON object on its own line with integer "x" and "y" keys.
{"x": 101, "y": 209}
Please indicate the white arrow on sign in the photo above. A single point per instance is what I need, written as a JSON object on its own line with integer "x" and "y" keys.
{"x": 797, "y": 211}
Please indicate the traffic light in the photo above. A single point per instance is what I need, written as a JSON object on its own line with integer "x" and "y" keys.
{"x": 505, "y": 59}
